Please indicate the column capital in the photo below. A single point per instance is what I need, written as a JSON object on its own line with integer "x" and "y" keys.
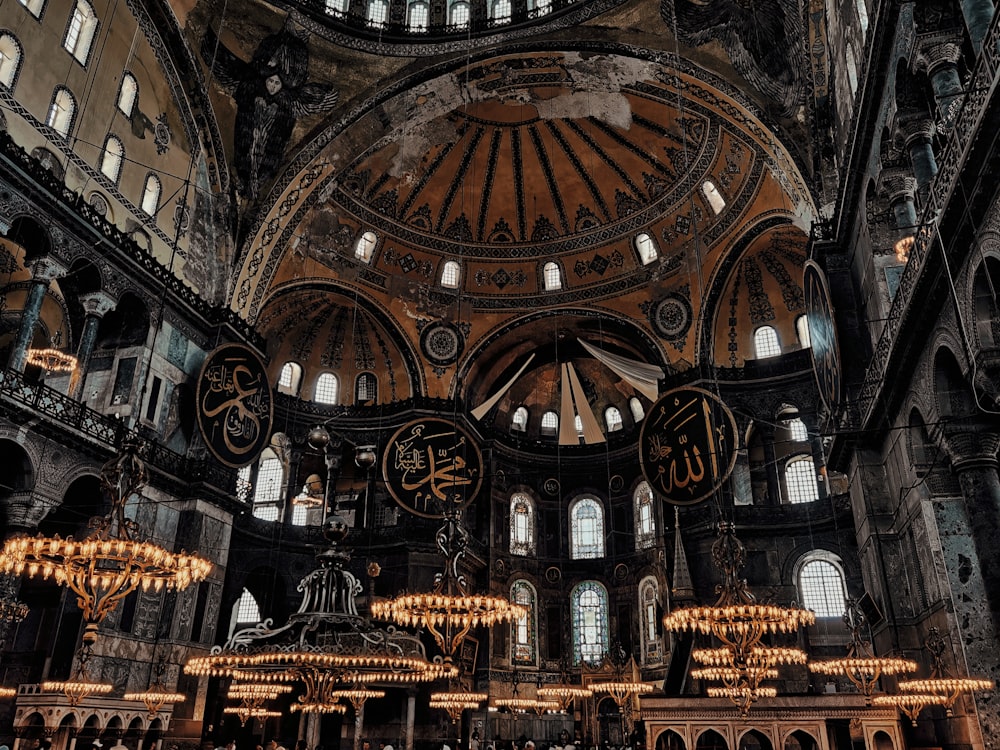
{"x": 915, "y": 128}
{"x": 897, "y": 184}
{"x": 98, "y": 304}
{"x": 936, "y": 54}
{"x": 25, "y": 510}
{"x": 971, "y": 446}
{"x": 47, "y": 268}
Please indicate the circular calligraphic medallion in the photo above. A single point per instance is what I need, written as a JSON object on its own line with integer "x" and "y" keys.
{"x": 235, "y": 407}
{"x": 822, "y": 333}
{"x": 441, "y": 343}
{"x": 432, "y": 466}
{"x": 687, "y": 446}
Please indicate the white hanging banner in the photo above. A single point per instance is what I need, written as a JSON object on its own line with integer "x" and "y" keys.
{"x": 480, "y": 411}
{"x": 640, "y": 375}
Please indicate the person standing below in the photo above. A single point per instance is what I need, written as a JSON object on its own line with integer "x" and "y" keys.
{"x": 474, "y": 740}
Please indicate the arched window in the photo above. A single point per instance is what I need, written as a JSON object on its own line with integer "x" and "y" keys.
{"x": 327, "y": 387}
{"x": 578, "y": 424}
{"x": 418, "y": 16}
{"x": 522, "y": 525}
{"x": 11, "y": 55}
{"x": 613, "y": 418}
{"x": 550, "y": 423}
{"x": 715, "y": 200}
{"x": 589, "y": 610}
{"x": 635, "y": 406}
{"x": 821, "y": 584}
{"x": 450, "y": 274}
{"x": 246, "y": 612}
{"x": 151, "y": 195}
{"x": 243, "y": 484}
{"x": 336, "y": 7}
{"x": 800, "y": 478}
{"x": 523, "y": 639}
{"x": 765, "y": 342}
{"x": 128, "y": 91}
{"x": 551, "y": 277}
{"x": 500, "y": 10}
{"x": 802, "y": 330}
{"x": 80, "y": 31}
{"x": 458, "y": 14}
{"x": 377, "y": 13}
{"x": 365, "y": 388}
{"x": 540, "y": 7}
{"x": 267, "y": 490}
{"x": 112, "y": 158}
{"x": 797, "y": 430}
{"x": 519, "y": 422}
{"x": 649, "y": 599}
{"x": 645, "y": 524}
{"x": 365, "y": 246}
{"x": 61, "y": 111}
{"x": 646, "y": 247}
{"x": 586, "y": 521}
{"x": 35, "y": 7}
{"x": 290, "y": 378}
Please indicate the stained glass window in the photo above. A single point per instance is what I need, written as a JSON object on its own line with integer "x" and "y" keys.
{"x": 589, "y": 604}
{"x": 522, "y": 630}
{"x": 645, "y": 525}
{"x": 586, "y": 519}
{"x": 522, "y": 525}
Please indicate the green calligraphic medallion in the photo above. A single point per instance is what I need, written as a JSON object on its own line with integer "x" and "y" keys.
{"x": 235, "y": 406}
{"x": 822, "y": 333}
{"x": 432, "y": 467}
{"x": 688, "y": 444}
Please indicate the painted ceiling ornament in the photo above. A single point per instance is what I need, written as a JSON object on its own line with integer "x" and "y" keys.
{"x": 762, "y": 39}
{"x": 687, "y": 446}
{"x": 271, "y": 94}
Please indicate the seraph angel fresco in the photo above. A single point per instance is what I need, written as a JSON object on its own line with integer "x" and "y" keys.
{"x": 271, "y": 94}
{"x": 763, "y": 39}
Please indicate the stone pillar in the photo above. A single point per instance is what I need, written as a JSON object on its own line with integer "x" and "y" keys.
{"x": 771, "y": 466}
{"x": 978, "y": 15}
{"x": 941, "y": 63}
{"x": 917, "y": 134}
{"x": 95, "y": 306}
{"x": 43, "y": 271}
{"x": 981, "y": 490}
{"x": 411, "y": 713}
{"x": 901, "y": 189}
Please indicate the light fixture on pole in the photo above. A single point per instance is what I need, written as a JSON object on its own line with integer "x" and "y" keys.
{"x": 245, "y": 713}
{"x": 112, "y": 561}
{"x": 449, "y": 611}
{"x": 457, "y": 702}
{"x": 564, "y": 695}
{"x": 910, "y": 704}
{"x": 156, "y": 696}
{"x": 861, "y": 666}
{"x": 79, "y": 685}
{"x": 941, "y": 682}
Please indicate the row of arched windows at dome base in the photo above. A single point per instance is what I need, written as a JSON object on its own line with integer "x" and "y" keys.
{"x": 819, "y": 579}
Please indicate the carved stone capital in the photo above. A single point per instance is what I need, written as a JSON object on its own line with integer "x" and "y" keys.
{"x": 25, "y": 510}
{"x": 897, "y": 184}
{"x": 934, "y": 56}
{"x": 915, "y": 128}
{"x": 971, "y": 446}
{"x": 47, "y": 269}
{"x": 98, "y": 304}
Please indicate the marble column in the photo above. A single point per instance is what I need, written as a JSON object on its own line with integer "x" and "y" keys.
{"x": 43, "y": 271}
{"x": 95, "y": 306}
{"x": 901, "y": 188}
{"x": 978, "y": 15}
{"x": 411, "y": 713}
{"x": 917, "y": 134}
{"x": 981, "y": 489}
{"x": 941, "y": 63}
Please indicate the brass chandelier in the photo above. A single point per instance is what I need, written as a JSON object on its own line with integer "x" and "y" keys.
{"x": 449, "y": 611}
{"x": 861, "y": 666}
{"x": 79, "y": 685}
{"x": 112, "y": 561}
{"x": 455, "y": 702}
{"x": 564, "y": 695}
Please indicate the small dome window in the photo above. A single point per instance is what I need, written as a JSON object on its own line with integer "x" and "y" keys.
{"x": 364, "y": 248}
{"x": 715, "y": 200}
{"x": 646, "y": 247}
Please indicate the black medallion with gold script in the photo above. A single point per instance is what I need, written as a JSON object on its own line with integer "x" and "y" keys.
{"x": 432, "y": 466}
{"x": 687, "y": 446}
{"x": 822, "y": 333}
{"x": 235, "y": 407}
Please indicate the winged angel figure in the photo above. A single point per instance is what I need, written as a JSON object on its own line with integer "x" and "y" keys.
{"x": 762, "y": 37}
{"x": 271, "y": 93}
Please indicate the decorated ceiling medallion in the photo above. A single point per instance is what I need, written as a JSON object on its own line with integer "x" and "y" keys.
{"x": 235, "y": 407}
{"x": 432, "y": 467}
{"x": 671, "y": 316}
{"x": 822, "y": 333}
{"x": 687, "y": 447}
{"x": 441, "y": 343}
